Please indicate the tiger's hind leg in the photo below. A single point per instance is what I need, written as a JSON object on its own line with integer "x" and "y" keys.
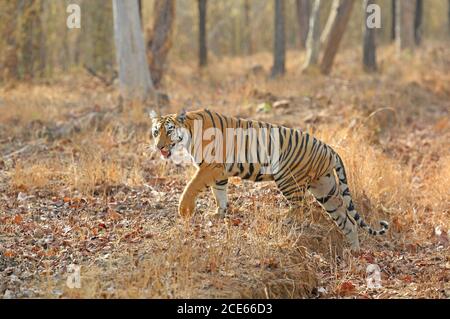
{"x": 294, "y": 193}
{"x": 326, "y": 191}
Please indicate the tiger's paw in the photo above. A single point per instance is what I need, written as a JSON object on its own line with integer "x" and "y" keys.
{"x": 186, "y": 209}
{"x": 219, "y": 213}
{"x": 355, "y": 249}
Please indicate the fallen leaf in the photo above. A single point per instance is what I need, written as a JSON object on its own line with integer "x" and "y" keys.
{"x": 113, "y": 215}
{"x": 282, "y": 104}
{"x": 346, "y": 288}
{"x": 269, "y": 262}
{"x": 18, "y": 219}
{"x": 368, "y": 257}
{"x": 8, "y": 254}
{"x": 442, "y": 235}
{"x": 21, "y": 196}
{"x": 236, "y": 221}
{"x": 212, "y": 266}
{"x": 407, "y": 278}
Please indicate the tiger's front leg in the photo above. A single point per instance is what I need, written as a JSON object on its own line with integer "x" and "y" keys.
{"x": 204, "y": 177}
{"x": 219, "y": 190}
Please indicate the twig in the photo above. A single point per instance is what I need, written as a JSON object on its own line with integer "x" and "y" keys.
{"x": 107, "y": 82}
{"x": 23, "y": 149}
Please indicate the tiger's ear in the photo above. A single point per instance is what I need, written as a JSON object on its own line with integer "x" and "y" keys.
{"x": 181, "y": 117}
{"x": 153, "y": 115}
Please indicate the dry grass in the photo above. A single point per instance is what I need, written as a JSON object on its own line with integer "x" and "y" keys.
{"x": 100, "y": 198}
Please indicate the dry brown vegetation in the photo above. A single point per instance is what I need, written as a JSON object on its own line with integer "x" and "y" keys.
{"x": 96, "y": 195}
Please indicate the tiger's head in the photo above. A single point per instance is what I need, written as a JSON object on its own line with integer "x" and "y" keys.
{"x": 167, "y": 131}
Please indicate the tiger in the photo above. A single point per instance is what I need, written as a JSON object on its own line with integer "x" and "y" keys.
{"x": 303, "y": 163}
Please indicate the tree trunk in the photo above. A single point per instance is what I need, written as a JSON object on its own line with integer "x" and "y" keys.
{"x": 369, "y": 46}
{"x": 337, "y": 31}
{"x": 303, "y": 13}
{"x": 134, "y": 74}
{"x": 279, "y": 49}
{"x": 28, "y": 38}
{"x": 393, "y": 19}
{"x": 160, "y": 38}
{"x": 418, "y": 22}
{"x": 248, "y": 45}
{"x": 9, "y": 59}
{"x": 405, "y": 27}
{"x": 203, "y": 50}
{"x": 140, "y": 9}
{"x": 42, "y": 41}
{"x": 331, "y": 18}
{"x": 312, "y": 42}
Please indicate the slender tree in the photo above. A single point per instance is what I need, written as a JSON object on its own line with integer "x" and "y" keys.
{"x": 203, "y": 50}
{"x": 160, "y": 38}
{"x": 140, "y": 9}
{"x": 279, "y": 48}
{"x": 303, "y": 12}
{"x": 369, "y": 45}
{"x": 393, "y": 19}
{"x": 335, "y": 36}
{"x": 248, "y": 45}
{"x": 134, "y": 73}
{"x": 312, "y": 42}
{"x": 30, "y": 30}
{"x": 418, "y": 22}
{"x": 329, "y": 24}
{"x": 405, "y": 24}
{"x": 9, "y": 59}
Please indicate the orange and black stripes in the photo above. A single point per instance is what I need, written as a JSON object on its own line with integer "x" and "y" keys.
{"x": 303, "y": 163}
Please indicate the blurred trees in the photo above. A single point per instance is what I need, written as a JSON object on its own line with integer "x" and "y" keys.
{"x": 418, "y": 22}
{"x": 248, "y": 42}
{"x": 341, "y": 16}
{"x": 312, "y": 42}
{"x": 35, "y": 42}
{"x": 134, "y": 74}
{"x": 96, "y": 42}
{"x": 393, "y": 19}
{"x": 8, "y": 42}
{"x": 405, "y": 24}
{"x": 329, "y": 24}
{"x": 160, "y": 37}
{"x": 303, "y": 12}
{"x": 31, "y": 59}
{"x": 279, "y": 47}
{"x": 23, "y": 39}
{"x": 202, "y": 48}
{"x": 369, "y": 45}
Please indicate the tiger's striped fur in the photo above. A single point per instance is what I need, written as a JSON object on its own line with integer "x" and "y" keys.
{"x": 304, "y": 163}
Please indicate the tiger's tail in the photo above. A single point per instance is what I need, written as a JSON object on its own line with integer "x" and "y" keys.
{"x": 345, "y": 191}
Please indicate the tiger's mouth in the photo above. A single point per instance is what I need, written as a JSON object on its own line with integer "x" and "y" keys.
{"x": 166, "y": 153}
